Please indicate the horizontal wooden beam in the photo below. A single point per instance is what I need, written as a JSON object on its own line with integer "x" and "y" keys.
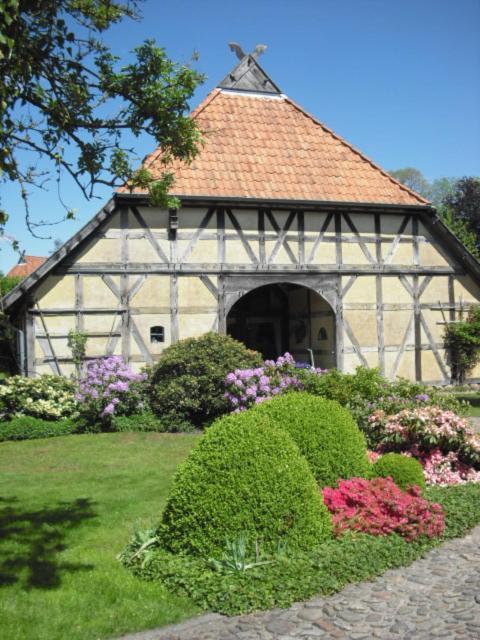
{"x": 95, "y": 268}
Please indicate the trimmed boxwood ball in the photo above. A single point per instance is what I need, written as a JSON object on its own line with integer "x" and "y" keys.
{"x": 403, "y": 470}
{"x": 245, "y": 478}
{"x": 325, "y": 433}
{"x": 187, "y": 384}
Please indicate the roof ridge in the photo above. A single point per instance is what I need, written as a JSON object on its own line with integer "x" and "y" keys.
{"x": 355, "y": 150}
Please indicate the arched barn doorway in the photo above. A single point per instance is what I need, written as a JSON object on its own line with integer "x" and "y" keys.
{"x": 276, "y": 318}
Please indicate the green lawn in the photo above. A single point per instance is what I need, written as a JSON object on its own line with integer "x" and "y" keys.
{"x": 68, "y": 505}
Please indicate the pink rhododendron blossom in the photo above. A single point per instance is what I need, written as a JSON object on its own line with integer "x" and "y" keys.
{"x": 373, "y": 456}
{"x": 379, "y": 507}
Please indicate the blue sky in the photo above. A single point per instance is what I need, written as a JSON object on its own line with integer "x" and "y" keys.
{"x": 399, "y": 80}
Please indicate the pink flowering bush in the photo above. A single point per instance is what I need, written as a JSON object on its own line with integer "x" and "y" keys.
{"x": 444, "y": 443}
{"x": 109, "y": 388}
{"x": 246, "y": 387}
{"x": 444, "y": 470}
{"x": 378, "y": 507}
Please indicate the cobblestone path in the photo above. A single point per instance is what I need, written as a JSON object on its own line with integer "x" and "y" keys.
{"x": 435, "y": 597}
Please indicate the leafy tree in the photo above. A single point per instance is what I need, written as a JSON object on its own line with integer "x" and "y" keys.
{"x": 7, "y": 283}
{"x": 462, "y": 344}
{"x": 464, "y": 203}
{"x": 457, "y": 203}
{"x": 413, "y": 179}
{"x": 64, "y": 99}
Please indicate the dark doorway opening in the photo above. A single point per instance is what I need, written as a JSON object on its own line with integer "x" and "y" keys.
{"x": 284, "y": 317}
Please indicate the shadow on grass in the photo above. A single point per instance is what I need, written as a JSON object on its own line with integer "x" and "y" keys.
{"x": 30, "y": 542}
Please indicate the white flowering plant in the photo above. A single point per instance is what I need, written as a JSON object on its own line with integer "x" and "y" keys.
{"x": 49, "y": 397}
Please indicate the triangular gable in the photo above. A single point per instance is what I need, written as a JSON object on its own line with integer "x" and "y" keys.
{"x": 248, "y": 75}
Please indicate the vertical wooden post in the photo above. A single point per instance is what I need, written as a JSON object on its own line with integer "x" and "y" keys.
{"x": 124, "y": 284}
{"x": 339, "y": 307}
{"x": 30, "y": 342}
{"x": 416, "y": 302}
{"x": 261, "y": 237}
{"x": 301, "y": 237}
{"x": 222, "y": 317}
{"x": 379, "y": 296}
{"x": 221, "y": 235}
{"x": 174, "y": 333}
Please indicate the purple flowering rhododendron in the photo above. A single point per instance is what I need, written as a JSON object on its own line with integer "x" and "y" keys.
{"x": 246, "y": 387}
{"x": 110, "y": 387}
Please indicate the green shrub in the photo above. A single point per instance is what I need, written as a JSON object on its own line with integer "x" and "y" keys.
{"x": 29, "y": 428}
{"x": 187, "y": 384}
{"x": 403, "y": 470}
{"x": 245, "y": 478}
{"x": 325, "y": 433}
{"x": 137, "y": 422}
{"x": 48, "y": 397}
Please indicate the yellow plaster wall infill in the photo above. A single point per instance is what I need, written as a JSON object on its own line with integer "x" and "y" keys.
{"x": 362, "y": 290}
{"x": 364, "y": 326}
{"x": 395, "y": 324}
{"x": 154, "y": 292}
{"x": 96, "y": 294}
{"x": 394, "y": 292}
{"x": 194, "y": 325}
{"x": 192, "y": 292}
{"x": 56, "y": 292}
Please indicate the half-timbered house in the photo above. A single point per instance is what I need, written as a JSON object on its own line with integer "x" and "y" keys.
{"x": 287, "y": 238}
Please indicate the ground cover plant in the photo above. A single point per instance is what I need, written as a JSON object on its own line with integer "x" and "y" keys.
{"x": 324, "y": 431}
{"x": 284, "y": 578}
{"x": 186, "y": 387}
{"x": 68, "y": 506}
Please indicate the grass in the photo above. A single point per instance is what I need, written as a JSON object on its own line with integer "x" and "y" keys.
{"x": 67, "y": 507}
{"x": 473, "y": 400}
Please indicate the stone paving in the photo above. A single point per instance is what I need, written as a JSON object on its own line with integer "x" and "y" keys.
{"x": 435, "y": 597}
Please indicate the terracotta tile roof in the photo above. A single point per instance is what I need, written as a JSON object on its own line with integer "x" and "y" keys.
{"x": 266, "y": 147}
{"x": 27, "y": 266}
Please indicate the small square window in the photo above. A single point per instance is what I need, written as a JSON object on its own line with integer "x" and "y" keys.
{"x": 157, "y": 334}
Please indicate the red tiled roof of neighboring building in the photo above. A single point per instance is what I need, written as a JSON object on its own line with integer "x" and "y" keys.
{"x": 26, "y": 267}
{"x": 269, "y": 148}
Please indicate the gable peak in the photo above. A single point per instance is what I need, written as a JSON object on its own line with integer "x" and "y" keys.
{"x": 248, "y": 75}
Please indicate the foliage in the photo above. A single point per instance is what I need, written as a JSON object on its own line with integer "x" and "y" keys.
{"x": 187, "y": 383}
{"x": 464, "y": 203}
{"x": 7, "y": 283}
{"x": 457, "y": 202}
{"x": 405, "y": 471}
{"x": 325, "y": 433}
{"x": 462, "y": 344}
{"x": 64, "y": 99}
{"x": 353, "y": 557}
{"x": 367, "y": 391}
{"x": 247, "y": 387}
{"x": 60, "y": 576}
{"x": 110, "y": 388}
{"x": 30, "y": 428}
{"x": 77, "y": 343}
{"x": 460, "y": 505}
{"x": 144, "y": 421}
{"x": 413, "y": 179}
{"x": 419, "y": 431}
{"x": 379, "y": 507}
{"x": 245, "y": 477}
{"x": 48, "y": 397}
